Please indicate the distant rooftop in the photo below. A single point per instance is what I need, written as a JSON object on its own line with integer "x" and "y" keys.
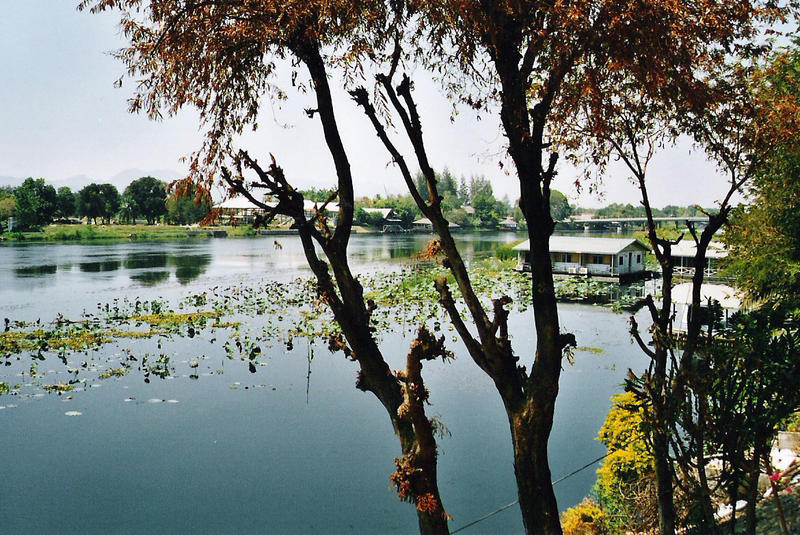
{"x": 687, "y": 248}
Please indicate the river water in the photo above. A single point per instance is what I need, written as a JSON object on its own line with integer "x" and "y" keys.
{"x": 273, "y": 451}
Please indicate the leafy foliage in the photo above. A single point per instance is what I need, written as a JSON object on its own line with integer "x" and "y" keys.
{"x": 586, "y": 518}
{"x": 8, "y": 205}
{"x": 626, "y": 480}
{"x": 65, "y": 202}
{"x": 35, "y": 203}
{"x": 98, "y": 200}
{"x": 764, "y": 237}
{"x": 187, "y": 208}
{"x": 147, "y": 196}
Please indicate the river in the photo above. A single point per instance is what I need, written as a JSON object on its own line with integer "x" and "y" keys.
{"x": 228, "y": 451}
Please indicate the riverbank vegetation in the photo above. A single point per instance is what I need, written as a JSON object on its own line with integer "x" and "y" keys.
{"x": 33, "y": 206}
{"x": 122, "y": 232}
{"x": 713, "y": 397}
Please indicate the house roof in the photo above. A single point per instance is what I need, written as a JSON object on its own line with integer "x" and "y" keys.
{"x": 581, "y": 244}
{"x": 308, "y": 206}
{"x": 238, "y": 203}
{"x": 243, "y": 203}
{"x": 426, "y": 221}
{"x": 687, "y": 248}
{"x": 385, "y": 212}
{"x": 725, "y": 295}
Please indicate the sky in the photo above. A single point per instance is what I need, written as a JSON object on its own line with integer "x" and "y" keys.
{"x": 61, "y": 118}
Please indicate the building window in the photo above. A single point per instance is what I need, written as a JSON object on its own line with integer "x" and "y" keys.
{"x": 566, "y": 257}
{"x": 597, "y": 259}
{"x": 621, "y": 260}
{"x": 639, "y": 258}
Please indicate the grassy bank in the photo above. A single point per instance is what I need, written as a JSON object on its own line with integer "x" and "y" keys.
{"x": 60, "y": 233}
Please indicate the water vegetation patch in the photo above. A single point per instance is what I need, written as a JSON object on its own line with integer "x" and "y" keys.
{"x": 243, "y": 323}
{"x": 59, "y": 387}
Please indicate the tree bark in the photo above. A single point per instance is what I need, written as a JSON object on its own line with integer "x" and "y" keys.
{"x": 664, "y": 488}
{"x": 352, "y": 315}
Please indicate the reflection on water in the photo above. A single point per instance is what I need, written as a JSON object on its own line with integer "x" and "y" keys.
{"x": 99, "y": 267}
{"x": 150, "y": 278}
{"x": 35, "y": 271}
{"x": 70, "y": 269}
{"x": 189, "y": 267}
{"x": 147, "y": 267}
{"x": 148, "y": 259}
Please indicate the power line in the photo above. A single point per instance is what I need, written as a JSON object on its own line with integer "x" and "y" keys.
{"x": 515, "y": 502}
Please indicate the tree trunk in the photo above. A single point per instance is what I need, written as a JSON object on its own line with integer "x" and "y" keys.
{"x": 664, "y": 489}
{"x": 752, "y": 488}
{"x": 537, "y": 501}
{"x": 353, "y": 317}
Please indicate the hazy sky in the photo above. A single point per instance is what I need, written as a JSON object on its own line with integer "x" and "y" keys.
{"x": 62, "y": 116}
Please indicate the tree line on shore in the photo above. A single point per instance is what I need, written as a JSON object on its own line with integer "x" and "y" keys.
{"x": 35, "y": 204}
{"x": 469, "y": 203}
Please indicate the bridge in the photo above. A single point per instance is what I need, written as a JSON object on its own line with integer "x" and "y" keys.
{"x": 623, "y": 224}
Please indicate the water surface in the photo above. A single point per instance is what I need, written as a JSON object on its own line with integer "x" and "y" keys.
{"x": 242, "y": 452}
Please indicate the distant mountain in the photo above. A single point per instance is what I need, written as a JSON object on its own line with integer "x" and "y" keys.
{"x": 123, "y": 178}
{"x": 120, "y": 180}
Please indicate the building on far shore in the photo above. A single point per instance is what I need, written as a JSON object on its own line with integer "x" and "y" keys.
{"x": 240, "y": 210}
{"x": 508, "y": 224}
{"x": 605, "y": 257}
{"x": 425, "y": 224}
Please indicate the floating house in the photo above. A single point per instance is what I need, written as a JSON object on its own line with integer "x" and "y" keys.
{"x": 508, "y": 223}
{"x": 425, "y": 224}
{"x": 575, "y": 255}
{"x": 684, "y": 252}
{"x": 727, "y": 297}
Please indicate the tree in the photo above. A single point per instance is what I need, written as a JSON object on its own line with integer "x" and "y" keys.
{"x": 65, "y": 202}
{"x": 219, "y": 57}
{"x": 90, "y": 202}
{"x": 723, "y": 111}
{"x": 559, "y": 205}
{"x": 8, "y": 205}
{"x": 147, "y": 196}
{"x": 98, "y": 200}
{"x": 529, "y": 59}
{"x": 318, "y": 195}
{"x": 764, "y": 235}
{"x": 111, "y": 201}
{"x": 127, "y": 210}
{"x": 35, "y": 203}
{"x": 186, "y": 207}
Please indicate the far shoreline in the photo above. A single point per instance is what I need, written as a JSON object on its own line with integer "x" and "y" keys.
{"x": 86, "y": 233}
